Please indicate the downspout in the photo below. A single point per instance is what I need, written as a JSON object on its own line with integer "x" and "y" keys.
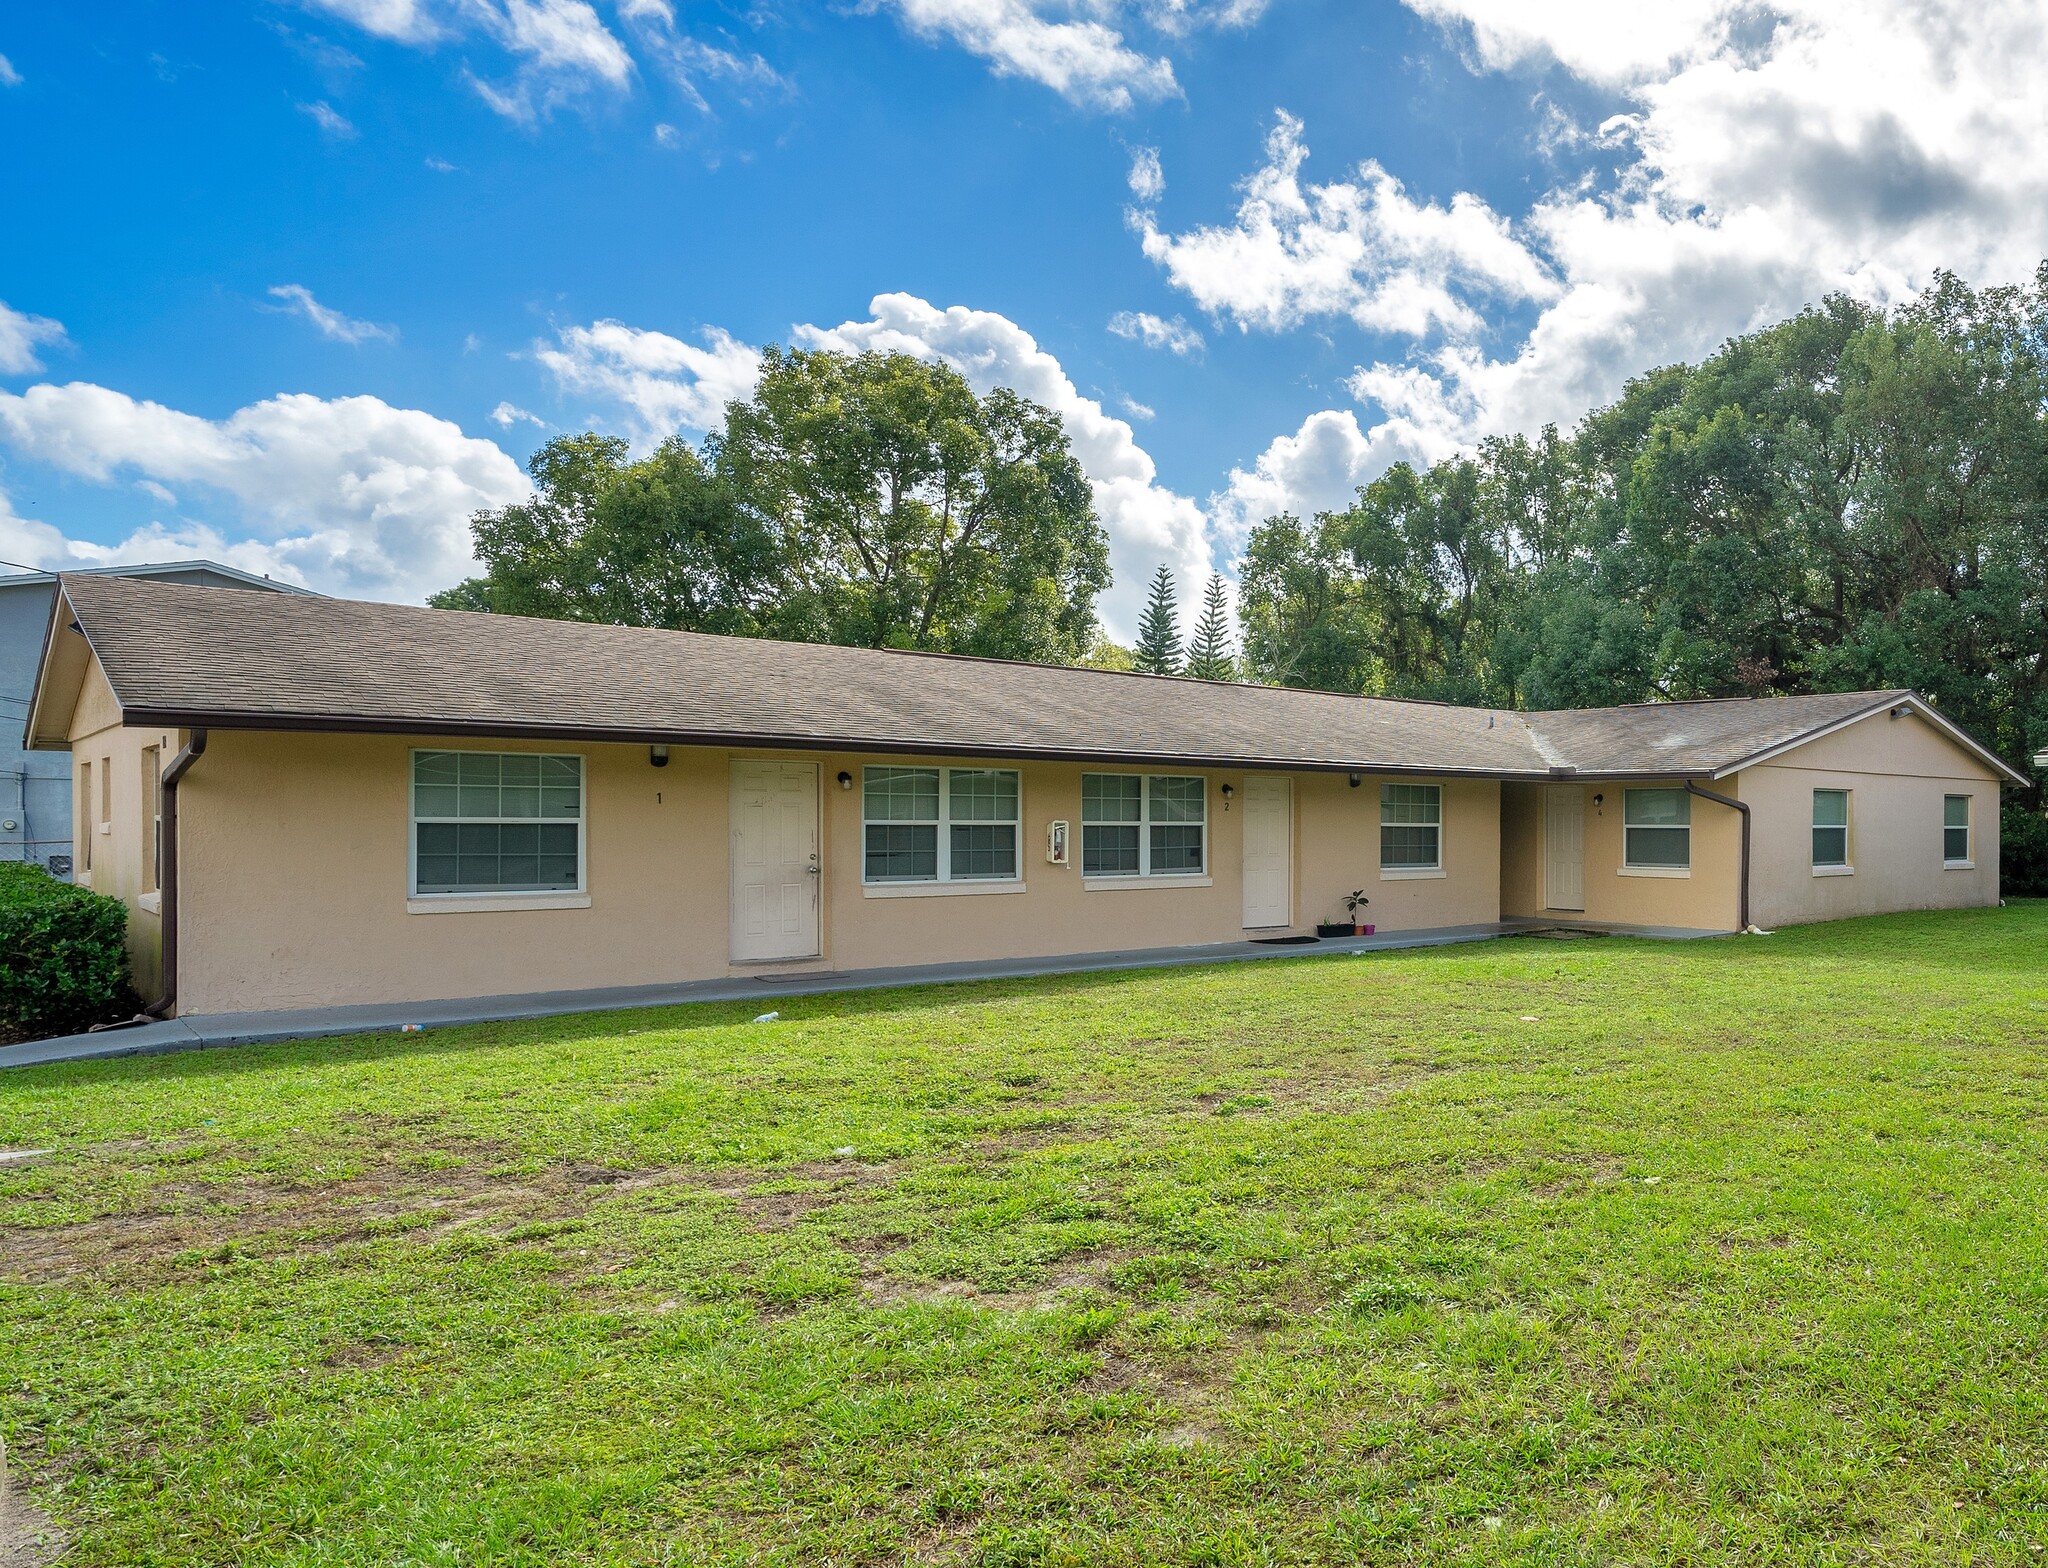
{"x": 167, "y": 883}
{"x": 1742, "y": 887}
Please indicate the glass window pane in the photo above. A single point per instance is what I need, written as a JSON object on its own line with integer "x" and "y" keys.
{"x": 1404, "y": 847}
{"x": 434, "y": 800}
{"x": 478, "y": 800}
{"x": 1176, "y": 849}
{"x": 437, "y": 838}
{"x": 436, "y": 874}
{"x": 477, "y": 767}
{"x": 1955, "y": 811}
{"x": 561, "y": 770}
{"x": 902, "y": 852}
{"x": 1830, "y": 846}
{"x": 984, "y": 850}
{"x": 900, "y": 795}
{"x": 1658, "y": 846}
{"x": 1111, "y": 797}
{"x": 1411, "y": 803}
{"x": 1176, "y": 799}
{"x": 519, "y": 770}
{"x": 558, "y": 800}
{"x": 434, "y": 767}
{"x": 1108, "y": 851}
{"x": 1955, "y": 843}
{"x": 1656, "y": 808}
{"x": 1830, "y": 808}
{"x": 981, "y": 795}
{"x": 520, "y": 800}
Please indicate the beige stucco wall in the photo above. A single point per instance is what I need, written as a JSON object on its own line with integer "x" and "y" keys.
{"x": 295, "y": 878}
{"x": 113, "y": 819}
{"x": 1702, "y": 900}
{"x": 1897, "y": 771}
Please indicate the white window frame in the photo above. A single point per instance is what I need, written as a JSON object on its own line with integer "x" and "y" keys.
{"x": 1630, "y": 868}
{"x": 1411, "y": 872}
{"x": 1846, "y": 866}
{"x": 1969, "y": 860}
{"x": 1145, "y": 876}
{"x": 419, "y": 903}
{"x": 875, "y": 887}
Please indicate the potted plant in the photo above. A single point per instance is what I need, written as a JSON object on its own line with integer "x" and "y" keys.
{"x": 1353, "y": 902}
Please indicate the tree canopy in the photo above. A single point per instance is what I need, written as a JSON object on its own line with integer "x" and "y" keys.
{"x": 871, "y": 499}
{"x": 1851, "y": 498}
{"x": 1157, "y": 651}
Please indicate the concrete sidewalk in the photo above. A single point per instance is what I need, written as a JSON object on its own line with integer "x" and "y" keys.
{"x": 201, "y": 1031}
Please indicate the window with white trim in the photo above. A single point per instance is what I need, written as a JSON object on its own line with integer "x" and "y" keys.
{"x": 1955, "y": 830}
{"x": 940, "y": 824}
{"x": 496, "y": 822}
{"x": 1144, "y": 825}
{"x": 1411, "y": 827}
{"x": 1656, "y": 829}
{"x": 1830, "y": 828}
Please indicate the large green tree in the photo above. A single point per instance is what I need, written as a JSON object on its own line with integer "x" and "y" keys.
{"x": 871, "y": 499}
{"x": 1158, "y": 650}
{"x": 1209, "y": 655}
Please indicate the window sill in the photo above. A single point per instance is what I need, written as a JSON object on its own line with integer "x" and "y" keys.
{"x": 488, "y": 903}
{"x": 153, "y": 902}
{"x": 1411, "y": 873}
{"x": 935, "y": 889}
{"x": 1834, "y": 871}
{"x": 1959, "y": 865}
{"x": 1654, "y": 871}
{"x": 1122, "y": 884}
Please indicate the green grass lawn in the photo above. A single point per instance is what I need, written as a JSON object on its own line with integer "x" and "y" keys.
{"x": 1538, "y": 1251}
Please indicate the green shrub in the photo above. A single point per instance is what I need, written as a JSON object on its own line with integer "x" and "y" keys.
{"x": 2022, "y": 853}
{"x": 63, "y": 954}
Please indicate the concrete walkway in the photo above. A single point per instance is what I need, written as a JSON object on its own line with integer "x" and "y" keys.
{"x": 201, "y": 1031}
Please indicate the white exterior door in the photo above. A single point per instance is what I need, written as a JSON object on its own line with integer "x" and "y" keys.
{"x": 1564, "y": 847}
{"x": 1268, "y": 851}
{"x": 776, "y": 871}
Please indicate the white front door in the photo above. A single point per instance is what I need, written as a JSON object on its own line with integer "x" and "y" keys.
{"x": 1564, "y": 847}
{"x": 775, "y": 867}
{"x": 1268, "y": 851}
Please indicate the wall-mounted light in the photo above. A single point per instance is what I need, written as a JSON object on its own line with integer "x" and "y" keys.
{"x": 1356, "y": 781}
{"x": 1599, "y": 800}
{"x": 657, "y": 756}
{"x": 845, "y": 779}
{"x": 1228, "y": 791}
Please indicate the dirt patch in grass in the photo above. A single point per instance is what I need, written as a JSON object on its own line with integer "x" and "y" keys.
{"x": 28, "y": 1537}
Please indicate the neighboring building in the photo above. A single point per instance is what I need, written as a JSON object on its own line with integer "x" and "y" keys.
{"x": 398, "y": 804}
{"x": 35, "y": 788}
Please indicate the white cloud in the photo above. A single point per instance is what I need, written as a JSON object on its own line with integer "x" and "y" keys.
{"x": 347, "y": 494}
{"x": 666, "y": 384}
{"x": 510, "y": 414}
{"x": 329, "y": 119}
{"x": 9, "y": 76}
{"x": 1361, "y": 248}
{"x": 1134, "y": 408}
{"x": 1147, "y": 524}
{"x": 687, "y": 61}
{"x": 331, "y": 324}
{"x": 403, "y": 21}
{"x": 1142, "y": 326}
{"x": 1083, "y": 59}
{"x": 1764, "y": 161}
{"x": 19, "y": 336}
{"x": 1148, "y": 176}
{"x": 564, "y": 49}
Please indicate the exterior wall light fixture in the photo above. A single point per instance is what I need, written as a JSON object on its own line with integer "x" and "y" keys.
{"x": 845, "y": 779}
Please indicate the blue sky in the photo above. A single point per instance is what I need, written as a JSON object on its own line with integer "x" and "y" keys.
{"x": 301, "y": 283}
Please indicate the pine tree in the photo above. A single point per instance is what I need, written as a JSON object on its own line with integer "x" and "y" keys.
{"x": 1158, "y": 648}
{"x": 1209, "y": 656}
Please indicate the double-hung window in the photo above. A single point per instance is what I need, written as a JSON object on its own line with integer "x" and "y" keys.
{"x": 1656, "y": 830}
{"x": 1144, "y": 825}
{"x": 1955, "y": 830}
{"x": 486, "y": 822}
{"x": 1411, "y": 827}
{"x": 1830, "y": 830}
{"x": 940, "y": 825}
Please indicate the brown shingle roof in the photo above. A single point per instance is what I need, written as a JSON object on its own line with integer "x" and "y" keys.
{"x": 192, "y": 656}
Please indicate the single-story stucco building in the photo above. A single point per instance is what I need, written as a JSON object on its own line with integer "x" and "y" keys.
{"x": 314, "y": 802}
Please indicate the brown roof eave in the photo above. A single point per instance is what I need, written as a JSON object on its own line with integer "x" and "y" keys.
{"x": 398, "y": 724}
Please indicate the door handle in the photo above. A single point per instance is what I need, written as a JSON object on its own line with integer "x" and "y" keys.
{"x": 815, "y": 869}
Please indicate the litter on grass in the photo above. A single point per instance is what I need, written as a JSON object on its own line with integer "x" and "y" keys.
{"x": 767, "y": 1018}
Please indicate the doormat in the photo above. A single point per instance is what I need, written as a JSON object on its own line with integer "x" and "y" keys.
{"x": 1286, "y": 941}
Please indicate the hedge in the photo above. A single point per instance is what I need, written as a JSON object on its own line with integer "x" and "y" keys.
{"x": 63, "y": 954}
{"x": 2023, "y": 852}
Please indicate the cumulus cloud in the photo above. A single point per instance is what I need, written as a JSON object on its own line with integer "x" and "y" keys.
{"x": 20, "y": 335}
{"x": 331, "y": 324}
{"x": 1147, "y": 523}
{"x": 1142, "y": 326}
{"x": 1148, "y": 176}
{"x": 1083, "y": 59}
{"x": 663, "y": 383}
{"x": 403, "y": 21}
{"x": 350, "y": 495}
{"x": 1762, "y": 161}
{"x": 506, "y": 415}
